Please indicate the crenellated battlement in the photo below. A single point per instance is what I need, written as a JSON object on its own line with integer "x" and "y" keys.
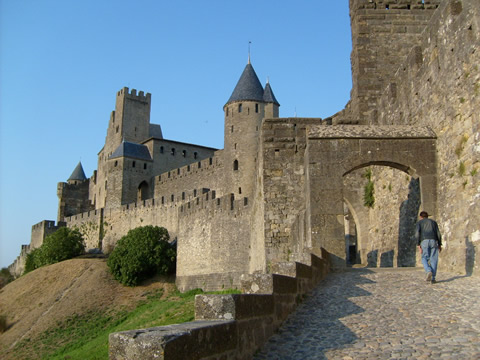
{"x": 133, "y": 95}
{"x": 202, "y": 165}
{"x": 393, "y": 4}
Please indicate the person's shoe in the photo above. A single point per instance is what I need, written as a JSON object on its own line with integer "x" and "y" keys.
{"x": 433, "y": 281}
{"x": 429, "y": 276}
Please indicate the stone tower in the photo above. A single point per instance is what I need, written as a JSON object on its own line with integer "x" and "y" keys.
{"x": 383, "y": 33}
{"x": 129, "y": 126}
{"x": 73, "y": 194}
{"x": 248, "y": 105}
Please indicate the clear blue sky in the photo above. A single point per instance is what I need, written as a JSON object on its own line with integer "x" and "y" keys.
{"x": 63, "y": 61}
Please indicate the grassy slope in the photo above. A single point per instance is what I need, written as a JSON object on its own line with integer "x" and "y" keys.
{"x": 67, "y": 310}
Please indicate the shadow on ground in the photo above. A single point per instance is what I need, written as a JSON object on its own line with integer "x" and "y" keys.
{"x": 316, "y": 327}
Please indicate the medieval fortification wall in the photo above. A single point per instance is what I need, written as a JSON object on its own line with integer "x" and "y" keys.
{"x": 252, "y": 204}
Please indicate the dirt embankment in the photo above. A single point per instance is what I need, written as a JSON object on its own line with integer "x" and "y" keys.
{"x": 39, "y": 300}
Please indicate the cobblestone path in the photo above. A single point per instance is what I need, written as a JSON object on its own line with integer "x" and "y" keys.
{"x": 383, "y": 314}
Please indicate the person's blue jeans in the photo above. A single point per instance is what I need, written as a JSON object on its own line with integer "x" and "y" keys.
{"x": 430, "y": 256}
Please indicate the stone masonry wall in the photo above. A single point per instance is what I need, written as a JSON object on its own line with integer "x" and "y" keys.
{"x": 284, "y": 188}
{"x": 439, "y": 87}
{"x": 213, "y": 239}
{"x": 383, "y": 32}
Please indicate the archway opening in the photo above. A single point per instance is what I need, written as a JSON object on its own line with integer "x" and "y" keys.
{"x": 381, "y": 203}
{"x": 143, "y": 191}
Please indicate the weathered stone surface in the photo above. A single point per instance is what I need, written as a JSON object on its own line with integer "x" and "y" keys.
{"x": 194, "y": 340}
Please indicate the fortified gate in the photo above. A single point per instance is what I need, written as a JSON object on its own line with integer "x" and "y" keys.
{"x": 322, "y": 155}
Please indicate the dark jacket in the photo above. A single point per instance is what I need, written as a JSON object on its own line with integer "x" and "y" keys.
{"x": 427, "y": 229}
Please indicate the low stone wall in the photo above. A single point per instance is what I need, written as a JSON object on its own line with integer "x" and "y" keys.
{"x": 227, "y": 326}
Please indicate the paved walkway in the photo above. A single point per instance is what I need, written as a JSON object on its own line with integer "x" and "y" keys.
{"x": 383, "y": 314}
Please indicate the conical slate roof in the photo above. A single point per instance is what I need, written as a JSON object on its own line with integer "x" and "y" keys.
{"x": 248, "y": 87}
{"x": 268, "y": 96}
{"x": 131, "y": 150}
{"x": 78, "y": 173}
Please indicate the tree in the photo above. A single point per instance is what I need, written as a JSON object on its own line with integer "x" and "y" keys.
{"x": 142, "y": 253}
{"x": 62, "y": 245}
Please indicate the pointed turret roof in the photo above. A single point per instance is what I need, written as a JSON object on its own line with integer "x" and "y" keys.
{"x": 78, "y": 173}
{"x": 248, "y": 87}
{"x": 268, "y": 96}
{"x": 131, "y": 150}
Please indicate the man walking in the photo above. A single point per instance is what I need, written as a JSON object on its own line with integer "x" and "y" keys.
{"x": 429, "y": 242}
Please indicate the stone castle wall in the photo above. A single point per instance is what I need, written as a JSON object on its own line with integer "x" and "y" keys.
{"x": 439, "y": 87}
{"x": 383, "y": 32}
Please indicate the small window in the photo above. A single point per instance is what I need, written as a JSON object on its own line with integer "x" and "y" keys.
{"x": 195, "y": 193}
{"x": 235, "y": 165}
{"x": 183, "y": 195}
{"x": 184, "y": 153}
{"x": 239, "y": 190}
{"x": 210, "y": 160}
{"x": 144, "y": 166}
{"x": 213, "y": 194}
{"x": 163, "y": 200}
{"x": 173, "y": 197}
{"x": 195, "y": 154}
{"x": 161, "y": 150}
{"x": 133, "y": 164}
{"x": 178, "y": 171}
{"x": 199, "y": 164}
{"x": 227, "y": 111}
{"x": 239, "y": 108}
{"x": 116, "y": 163}
{"x": 116, "y": 129}
{"x": 188, "y": 167}
{"x": 232, "y": 129}
{"x": 256, "y": 108}
{"x": 173, "y": 151}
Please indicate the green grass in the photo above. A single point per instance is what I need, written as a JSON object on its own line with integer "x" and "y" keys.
{"x": 86, "y": 336}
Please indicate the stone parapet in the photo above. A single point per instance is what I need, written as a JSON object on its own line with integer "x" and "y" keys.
{"x": 227, "y": 327}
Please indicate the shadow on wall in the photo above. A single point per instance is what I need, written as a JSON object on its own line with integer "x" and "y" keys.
{"x": 320, "y": 314}
{"x": 406, "y": 225}
{"x": 469, "y": 257}
{"x": 386, "y": 259}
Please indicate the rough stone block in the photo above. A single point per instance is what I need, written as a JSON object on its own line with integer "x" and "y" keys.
{"x": 193, "y": 340}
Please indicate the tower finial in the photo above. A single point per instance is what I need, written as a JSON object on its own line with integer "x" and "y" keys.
{"x": 249, "y": 51}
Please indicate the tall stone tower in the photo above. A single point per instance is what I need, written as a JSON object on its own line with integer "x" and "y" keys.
{"x": 129, "y": 125}
{"x": 248, "y": 105}
{"x": 383, "y": 33}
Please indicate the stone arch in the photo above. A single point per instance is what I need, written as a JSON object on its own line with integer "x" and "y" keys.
{"x": 143, "y": 192}
{"x": 335, "y": 151}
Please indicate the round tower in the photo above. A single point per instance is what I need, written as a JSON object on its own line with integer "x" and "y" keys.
{"x": 248, "y": 105}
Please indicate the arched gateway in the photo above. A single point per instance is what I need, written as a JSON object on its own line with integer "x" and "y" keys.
{"x": 304, "y": 163}
{"x": 335, "y": 151}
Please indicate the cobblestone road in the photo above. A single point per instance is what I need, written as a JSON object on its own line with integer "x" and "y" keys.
{"x": 383, "y": 314}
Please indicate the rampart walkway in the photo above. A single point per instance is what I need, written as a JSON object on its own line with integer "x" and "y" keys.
{"x": 383, "y": 314}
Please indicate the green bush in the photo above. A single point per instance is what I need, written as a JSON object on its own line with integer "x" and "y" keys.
{"x": 5, "y": 277}
{"x": 62, "y": 245}
{"x": 142, "y": 253}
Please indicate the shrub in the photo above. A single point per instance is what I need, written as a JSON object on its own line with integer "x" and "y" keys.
{"x": 62, "y": 245}
{"x": 5, "y": 277}
{"x": 142, "y": 253}
{"x": 369, "y": 190}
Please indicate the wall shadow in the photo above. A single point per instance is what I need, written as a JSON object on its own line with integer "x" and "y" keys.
{"x": 386, "y": 258}
{"x": 409, "y": 209}
{"x": 469, "y": 257}
{"x": 315, "y": 327}
{"x": 372, "y": 258}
